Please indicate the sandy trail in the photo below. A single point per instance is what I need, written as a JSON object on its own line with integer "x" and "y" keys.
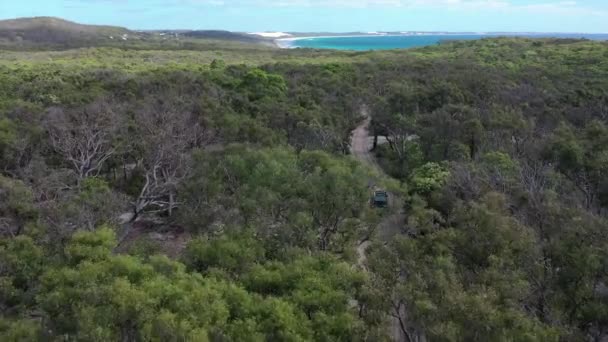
{"x": 360, "y": 149}
{"x": 361, "y": 145}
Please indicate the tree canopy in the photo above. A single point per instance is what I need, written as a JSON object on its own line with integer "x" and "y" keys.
{"x": 154, "y": 193}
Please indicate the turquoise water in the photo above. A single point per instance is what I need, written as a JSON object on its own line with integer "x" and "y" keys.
{"x": 363, "y": 43}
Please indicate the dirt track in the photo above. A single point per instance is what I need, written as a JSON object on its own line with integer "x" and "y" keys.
{"x": 360, "y": 149}
{"x": 361, "y": 145}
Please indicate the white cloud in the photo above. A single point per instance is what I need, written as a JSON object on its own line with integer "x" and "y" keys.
{"x": 548, "y": 6}
{"x": 562, "y": 7}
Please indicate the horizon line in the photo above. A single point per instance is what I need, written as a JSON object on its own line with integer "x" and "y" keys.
{"x": 365, "y": 32}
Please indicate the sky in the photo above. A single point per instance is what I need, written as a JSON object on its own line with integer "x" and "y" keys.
{"x": 580, "y": 16}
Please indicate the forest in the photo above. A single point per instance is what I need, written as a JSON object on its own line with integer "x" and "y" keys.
{"x": 155, "y": 195}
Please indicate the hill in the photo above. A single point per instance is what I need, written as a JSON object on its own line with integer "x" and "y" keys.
{"x": 48, "y": 33}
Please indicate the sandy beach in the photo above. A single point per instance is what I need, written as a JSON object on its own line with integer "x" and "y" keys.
{"x": 287, "y": 43}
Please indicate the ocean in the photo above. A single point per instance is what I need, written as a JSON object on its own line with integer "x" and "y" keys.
{"x": 388, "y": 42}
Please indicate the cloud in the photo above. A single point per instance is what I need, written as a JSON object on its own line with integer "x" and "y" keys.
{"x": 563, "y": 7}
{"x": 548, "y": 7}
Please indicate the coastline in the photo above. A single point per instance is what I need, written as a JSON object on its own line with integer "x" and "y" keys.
{"x": 285, "y": 43}
{"x": 288, "y": 42}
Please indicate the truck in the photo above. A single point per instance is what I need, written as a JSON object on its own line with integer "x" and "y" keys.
{"x": 379, "y": 199}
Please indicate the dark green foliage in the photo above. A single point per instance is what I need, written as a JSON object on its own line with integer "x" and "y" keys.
{"x": 22, "y": 264}
{"x": 232, "y": 159}
{"x": 307, "y": 200}
{"x": 98, "y": 296}
{"x": 235, "y": 255}
{"x": 17, "y": 209}
{"x": 515, "y": 164}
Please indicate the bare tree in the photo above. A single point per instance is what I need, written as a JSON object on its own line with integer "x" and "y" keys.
{"x": 167, "y": 133}
{"x": 86, "y": 137}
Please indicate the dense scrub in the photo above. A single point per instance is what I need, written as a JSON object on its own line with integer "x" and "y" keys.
{"x": 510, "y": 223}
{"x": 498, "y": 148}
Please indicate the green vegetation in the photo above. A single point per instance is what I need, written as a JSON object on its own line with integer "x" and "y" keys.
{"x": 152, "y": 193}
{"x": 506, "y": 227}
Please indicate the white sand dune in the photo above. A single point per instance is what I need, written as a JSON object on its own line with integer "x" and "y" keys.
{"x": 271, "y": 34}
